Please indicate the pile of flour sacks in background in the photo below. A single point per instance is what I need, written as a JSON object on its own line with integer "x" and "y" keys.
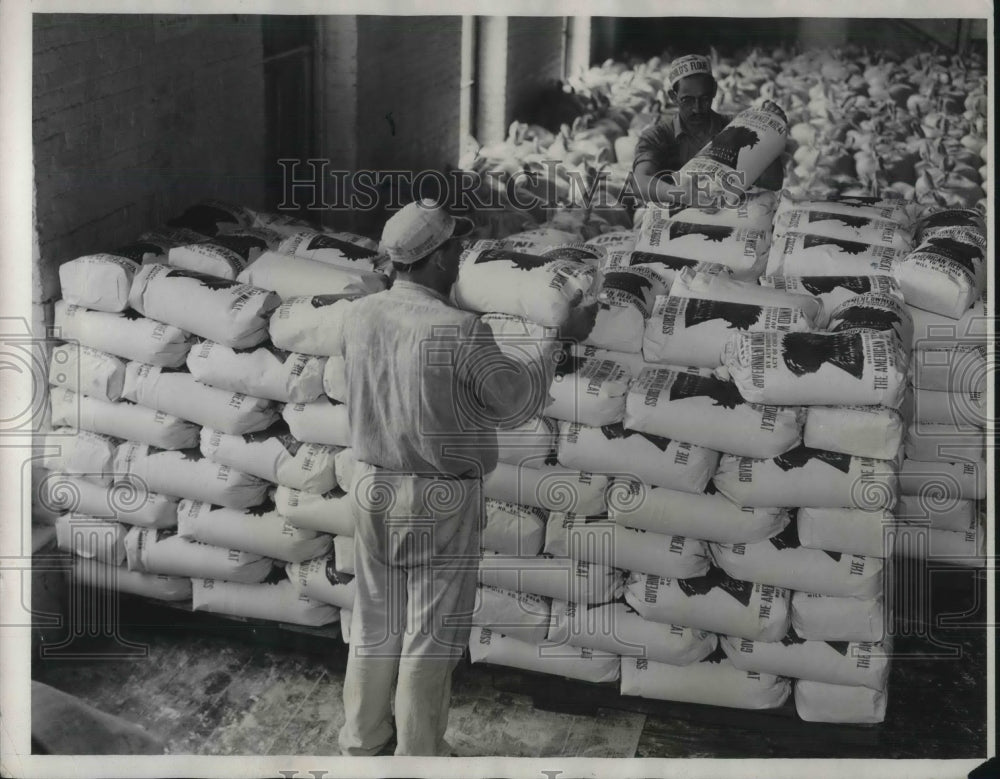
{"x": 774, "y": 403}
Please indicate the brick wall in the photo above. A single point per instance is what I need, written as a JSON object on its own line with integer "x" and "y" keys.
{"x": 135, "y": 117}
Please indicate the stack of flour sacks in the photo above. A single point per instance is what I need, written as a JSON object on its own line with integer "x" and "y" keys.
{"x": 199, "y": 430}
{"x": 748, "y": 432}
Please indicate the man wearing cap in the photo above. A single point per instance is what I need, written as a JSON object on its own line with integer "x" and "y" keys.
{"x": 428, "y": 387}
{"x": 663, "y": 148}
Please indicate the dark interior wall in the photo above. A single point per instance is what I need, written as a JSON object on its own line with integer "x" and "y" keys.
{"x": 135, "y": 117}
{"x": 645, "y": 37}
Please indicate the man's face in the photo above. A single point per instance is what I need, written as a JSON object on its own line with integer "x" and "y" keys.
{"x": 694, "y": 96}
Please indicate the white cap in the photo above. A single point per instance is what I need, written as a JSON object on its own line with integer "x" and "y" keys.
{"x": 687, "y": 65}
{"x": 419, "y": 228}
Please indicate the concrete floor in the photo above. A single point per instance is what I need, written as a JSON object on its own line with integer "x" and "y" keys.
{"x": 206, "y": 686}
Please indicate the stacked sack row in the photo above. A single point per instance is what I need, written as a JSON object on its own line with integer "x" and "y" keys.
{"x": 196, "y": 453}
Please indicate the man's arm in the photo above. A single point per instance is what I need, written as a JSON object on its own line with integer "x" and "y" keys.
{"x": 651, "y": 164}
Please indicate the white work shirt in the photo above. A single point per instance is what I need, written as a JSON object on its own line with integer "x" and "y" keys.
{"x": 423, "y": 381}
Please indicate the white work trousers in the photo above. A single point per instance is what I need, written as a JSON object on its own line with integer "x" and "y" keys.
{"x": 416, "y": 555}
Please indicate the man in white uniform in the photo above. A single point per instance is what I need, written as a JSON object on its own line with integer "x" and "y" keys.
{"x": 427, "y": 385}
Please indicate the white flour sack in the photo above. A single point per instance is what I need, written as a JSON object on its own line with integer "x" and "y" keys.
{"x": 343, "y": 250}
{"x": 691, "y": 331}
{"x": 513, "y": 529}
{"x": 535, "y": 241}
{"x": 122, "y": 502}
{"x": 330, "y": 512}
{"x": 540, "y": 289}
{"x": 551, "y": 577}
{"x": 91, "y": 372}
{"x": 966, "y": 548}
{"x": 81, "y": 453}
{"x": 708, "y": 515}
{"x": 282, "y": 224}
{"x": 553, "y": 488}
{"x": 881, "y": 313}
{"x": 944, "y": 443}
{"x": 335, "y": 378}
{"x": 833, "y": 662}
{"x": 274, "y": 455}
{"x": 616, "y": 628}
{"x": 96, "y": 539}
{"x": 322, "y": 421}
{"x": 861, "y": 368}
{"x": 863, "y": 431}
{"x": 832, "y": 291}
{"x": 320, "y": 580}
{"x": 531, "y": 443}
{"x": 691, "y": 283}
{"x": 961, "y": 409}
{"x": 873, "y": 207}
{"x": 125, "y": 335}
{"x": 633, "y": 362}
{"x": 932, "y": 330}
{"x": 588, "y": 391}
{"x": 98, "y": 281}
{"x": 807, "y": 254}
{"x": 742, "y": 250}
{"x": 264, "y": 372}
{"x": 850, "y": 531}
{"x": 311, "y": 324}
{"x": 945, "y": 481}
{"x": 755, "y": 210}
{"x": 714, "y": 602}
{"x": 941, "y": 513}
{"x": 346, "y": 465}
{"x": 820, "y": 702}
{"x": 826, "y": 618}
{"x": 586, "y": 665}
{"x": 736, "y": 156}
{"x": 187, "y": 473}
{"x": 277, "y": 600}
{"x": 123, "y": 419}
{"x": 614, "y": 449}
{"x": 599, "y": 540}
{"x": 162, "y": 551}
{"x": 226, "y": 311}
{"x": 709, "y": 412}
{"x": 713, "y": 681}
{"x": 625, "y": 300}
{"x": 860, "y": 228}
{"x": 782, "y": 561}
{"x": 225, "y": 255}
{"x": 519, "y": 615}
{"x": 961, "y": 369}
{"x": 94, "y": 573}
{"x": 213, "y": 216}
{"x": 179, "y": 393}
{"x": 260, "y": 530}
{"x": 290, "y": 276}
{"x": 942, "y": 275}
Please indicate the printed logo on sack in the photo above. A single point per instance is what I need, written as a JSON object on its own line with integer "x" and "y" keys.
{"x": 137, "y": 251}
{"x": 821, "y": 285}
{"x": 631, "y": 284}
{"x": 674, "y": 263}
{"x": 846, "y": 247}
{"x": 952, "y": 219}
{"x": 867, "y": 317}
{"x": 321, "y": 301}
{"x": 713, "y": 233}
{"x": 243, "y": 245}
{"x": 130, "y": 314}
{"x": 723, "y": 393}
{"x": 618, "y": 430}
{"x": 738, "y": 316}
{"x": 520, "y": 261}
{"x": 348, "y": 250}
{"x": 263, "y": 509}
{"x": 802, "y": 455}
{"x": 805, "y": 353}
{"x": 717, "y": 655}
{"x": 727, "y": 145}
{"x": 207, "y": 281}
{"x": 962, "y": 254}
{"x": 848, "y": 220}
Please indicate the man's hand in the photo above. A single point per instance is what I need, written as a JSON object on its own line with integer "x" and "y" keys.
{"x": 580, "y": 321}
